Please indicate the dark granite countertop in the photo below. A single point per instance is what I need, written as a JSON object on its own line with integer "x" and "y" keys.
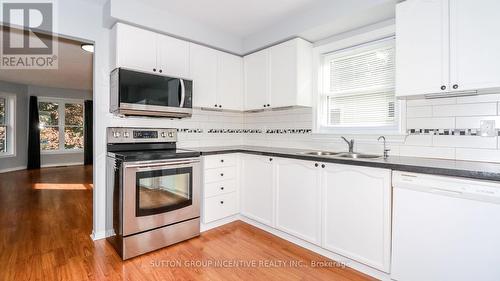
{"x": 468, "y": 169}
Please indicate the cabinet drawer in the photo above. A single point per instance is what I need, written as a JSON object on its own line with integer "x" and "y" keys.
{"x": 218, "y": 188}
{"x": 220, "y": 174}
{"x": 219, "y": 207}
{"x": 217, "y": 161}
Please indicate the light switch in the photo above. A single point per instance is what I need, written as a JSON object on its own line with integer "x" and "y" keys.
{"x": 488, "y": 128}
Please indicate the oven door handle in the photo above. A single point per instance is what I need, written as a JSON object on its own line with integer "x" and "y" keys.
{"x": 159, "y": 164}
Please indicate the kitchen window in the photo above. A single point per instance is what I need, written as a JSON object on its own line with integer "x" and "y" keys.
{"x": 61, "y": 125}
{"x": 7, "y": 128}
{"x": 358, "y": 89}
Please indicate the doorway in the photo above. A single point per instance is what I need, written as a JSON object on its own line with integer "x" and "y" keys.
{"x": 46, "y": 117}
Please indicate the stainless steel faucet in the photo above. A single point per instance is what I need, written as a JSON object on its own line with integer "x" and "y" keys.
{"x": 350, "y": 144}
{"x": 386, "y": 150}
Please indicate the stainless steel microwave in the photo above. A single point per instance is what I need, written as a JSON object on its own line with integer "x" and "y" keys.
{"x": 145, "y": 94}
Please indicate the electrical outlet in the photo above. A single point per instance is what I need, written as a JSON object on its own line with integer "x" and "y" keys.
{"x": 488, "y": 128}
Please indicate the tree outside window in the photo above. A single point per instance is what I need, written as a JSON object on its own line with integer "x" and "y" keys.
{"x": 61, "y": 125}
{"x": 3, "y": 126}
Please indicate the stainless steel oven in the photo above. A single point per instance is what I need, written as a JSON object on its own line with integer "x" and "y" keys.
{"x": 145, "y": 94}
{"x": 152, "y": 190}
{"x": 159, "y": 193}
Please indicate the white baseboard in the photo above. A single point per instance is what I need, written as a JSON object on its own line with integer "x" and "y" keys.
{"x": 13, "y": 169}
{"x": 317, "y": 249}
{"x": 207, "y": 226}
{"x": 98, "y": 235}
{"x": 61, "y": 165}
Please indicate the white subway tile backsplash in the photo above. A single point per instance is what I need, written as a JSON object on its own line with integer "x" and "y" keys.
{"x": 431, "y": 123}
{"x": 422, "y": 140}
{"x": 426, "y": 102}
{"x": 465, "y": 141}
{"x": 427, "y": 151}
{"x": 487, "y": 155}
{"x": 473, "y": 109}
{"x": 479, "y": 98}
{"x": 419, "y": 111}
{"x": 474, "y": 122}
{"x": 448, "y": 113}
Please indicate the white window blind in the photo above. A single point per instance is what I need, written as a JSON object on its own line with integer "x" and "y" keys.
{"x": 359, "y": 86}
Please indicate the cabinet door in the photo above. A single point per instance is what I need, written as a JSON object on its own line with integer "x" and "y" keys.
{"x": 136, "y": 48}
{"x": 298, "y": 204}
{"x": 204, "y": 75}
{"x": 257, "y": 194}
{"x": 230, "y": 81}
{"x": 422, "y": 47}
{"x": 256, "y": 80}
{"x": 283, "y": 74}
{"x": 357, "y": 213}
{"x": 475, "y": 44}
{"x": 173, "y": 55}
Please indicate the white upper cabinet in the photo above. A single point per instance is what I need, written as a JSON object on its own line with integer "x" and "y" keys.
{"x": 357, "y": 213}
{"x": 257, "y": 192}
{"x": 204, "y": 75}
{"x": 173, "y": 56}
{"x": 257, "y": 80}
{"x": 474, "y": 44}
{"x": 447, "y": 46}
{"x": 140, "y": 49}
{"x": 135, "y": 48}
{"x": 230, "y": 82}
{"x": 422, "y": 47}
{"x": 217, "y": 78}
{"x": 298, "y": 197}
{"x": 291, "y": 74}
{"x": 279, "y": 76}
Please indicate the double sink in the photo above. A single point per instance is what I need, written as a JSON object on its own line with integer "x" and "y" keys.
{"x": 347, "y": 155}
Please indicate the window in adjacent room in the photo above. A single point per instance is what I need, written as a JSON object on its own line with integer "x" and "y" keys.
{"x": 61, "y": 125}
{"x": 3, "y": 125}
{"x": 357, "y": 89}
{"x": 7, "y": 130}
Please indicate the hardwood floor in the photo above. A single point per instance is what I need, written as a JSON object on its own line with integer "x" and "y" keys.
{"x": 46, "y": 219}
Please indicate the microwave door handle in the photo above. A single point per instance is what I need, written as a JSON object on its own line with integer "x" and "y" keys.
{"x": 183, "y": 93}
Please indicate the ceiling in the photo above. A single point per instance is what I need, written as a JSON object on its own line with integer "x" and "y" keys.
{"x": 260, "y": 23}
{"x": 237, "y": 17}
{"x": 74, "y": 69}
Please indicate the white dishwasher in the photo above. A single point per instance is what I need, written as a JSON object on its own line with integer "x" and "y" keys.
{"x": 445, "y": 228}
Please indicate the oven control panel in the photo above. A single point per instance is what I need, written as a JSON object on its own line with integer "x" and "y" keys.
{"x": 137, "y": 135}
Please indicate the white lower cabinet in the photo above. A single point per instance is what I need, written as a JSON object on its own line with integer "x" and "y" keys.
{"x": 257, "y": 188}
{"x": 357, "y": 213}
{"x": 345, "y": 209}
{"x": 220, "y": 188}
{"x": 298, "y": 192}
{"x": 221, "y": 206}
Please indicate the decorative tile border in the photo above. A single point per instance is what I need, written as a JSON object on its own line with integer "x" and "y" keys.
{"x": 230, "y": 131}
{"x": 190, "y": 131}
{"x": 288, "y": 131}
{"x": 246, "y": 131}
{"x": 447, "y": 132}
